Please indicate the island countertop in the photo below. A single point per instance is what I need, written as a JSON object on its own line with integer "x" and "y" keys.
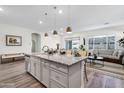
{"x": 62, "y": 59}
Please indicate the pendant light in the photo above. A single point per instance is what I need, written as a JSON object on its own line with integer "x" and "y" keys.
{"x": 68, "y": 29}
{"x": 55, "y": 32}
{"x": 46, "y": 34}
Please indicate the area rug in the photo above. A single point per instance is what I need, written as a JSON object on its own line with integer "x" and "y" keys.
{"x": 108, "y": 67}
{"x": 102, "y": 79}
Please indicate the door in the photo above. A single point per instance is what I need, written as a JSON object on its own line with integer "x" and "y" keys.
{"x": 45, "y": 73}
{"x": 38, "y": 69}
{"x": 27, "y": 64}
{"x": 32, "y": 67}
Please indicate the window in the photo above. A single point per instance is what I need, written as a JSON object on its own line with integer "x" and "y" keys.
{"x": 68, "y": 44}
{"x": 91, "y": 43}
{"x": 102, "y": 42}
{"x": 111, "y": 42}
{"x": 72, "y": 43}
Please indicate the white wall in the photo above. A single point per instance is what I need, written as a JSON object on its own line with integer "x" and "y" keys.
{"x": 6, "y": 29}
{"x": 18, "y": 31}
{"x": 50, "y": 41}
{"x": 86, "y": 34}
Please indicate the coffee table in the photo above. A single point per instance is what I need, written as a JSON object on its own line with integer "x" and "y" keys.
{"x": 93, "y": 59}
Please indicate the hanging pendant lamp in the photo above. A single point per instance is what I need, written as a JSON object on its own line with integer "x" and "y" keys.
{"x": 46, "y": 34}
{"x": 68, "y": 29}
{"x": 54, "y": 31}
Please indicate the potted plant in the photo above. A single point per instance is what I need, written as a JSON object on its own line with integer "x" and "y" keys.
{"x": 121, "y": 42}
{"x": 82, "y": 50}
{"x": 81, "y": 47}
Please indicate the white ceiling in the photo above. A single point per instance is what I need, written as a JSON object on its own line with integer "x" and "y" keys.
{"x": 82, "y": 17}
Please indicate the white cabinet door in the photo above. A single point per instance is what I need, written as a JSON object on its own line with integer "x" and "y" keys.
{"x": 45, "y": 73}
{"x": 35, "y": 68}
{"x": 37, "y": 71}
{"x": 32, "y": 67}
{"x": 27, "y": 64}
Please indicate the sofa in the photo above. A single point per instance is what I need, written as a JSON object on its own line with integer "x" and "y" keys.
{"x": 113, "y": 56}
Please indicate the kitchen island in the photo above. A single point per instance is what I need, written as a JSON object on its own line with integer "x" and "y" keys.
{"x": 56, "y": 71}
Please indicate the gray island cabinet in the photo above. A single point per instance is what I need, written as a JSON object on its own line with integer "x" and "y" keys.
{"x": 56, "y": 71}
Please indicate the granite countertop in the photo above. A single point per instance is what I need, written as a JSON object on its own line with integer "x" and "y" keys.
{"x": 63, "y": 59}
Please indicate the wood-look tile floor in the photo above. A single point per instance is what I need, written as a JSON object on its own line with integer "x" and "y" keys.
{"x": 13, "y": 75}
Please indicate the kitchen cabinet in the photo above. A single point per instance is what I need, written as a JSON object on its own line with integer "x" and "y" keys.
{"x": 36, "y": 68}
{"x": 45, "y": 73}
{"x": 32, "y": 72}
{"x": 27, "y": 64}
{"x": 54, "y": 74}
{"x": 58, "y": 77}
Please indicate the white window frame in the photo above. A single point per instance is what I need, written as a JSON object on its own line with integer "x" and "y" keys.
{"x": 106, "y": 41}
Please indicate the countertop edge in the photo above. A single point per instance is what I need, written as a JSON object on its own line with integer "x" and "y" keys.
{"x": 54, "y": 60}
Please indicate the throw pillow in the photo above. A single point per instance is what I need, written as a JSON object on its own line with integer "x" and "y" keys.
{"x": 115, "y": 53}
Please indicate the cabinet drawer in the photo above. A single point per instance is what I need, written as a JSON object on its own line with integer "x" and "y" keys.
{"x": 60, "y": 67}
{"x": 59, "y": 77}
{"x": 53, "y": 84}
{"x": 34, "y": 59}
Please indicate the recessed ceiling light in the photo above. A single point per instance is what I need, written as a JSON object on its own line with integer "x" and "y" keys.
{"x": 61, "y": 29}
{"x": 1, "y": 9}
{"x": 60, "y": 11}
{"x": 41, "y": 22}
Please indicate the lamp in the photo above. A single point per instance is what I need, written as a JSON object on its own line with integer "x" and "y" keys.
{"x": 46, "y": 34}
{"x": 68, "y": 29}
{"x": 55, "y": 32}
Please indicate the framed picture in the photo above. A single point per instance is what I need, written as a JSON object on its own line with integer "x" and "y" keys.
{"x": 12, "y": 40}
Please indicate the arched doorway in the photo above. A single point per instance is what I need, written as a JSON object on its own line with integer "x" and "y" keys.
{"x": 36, "y": 43}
